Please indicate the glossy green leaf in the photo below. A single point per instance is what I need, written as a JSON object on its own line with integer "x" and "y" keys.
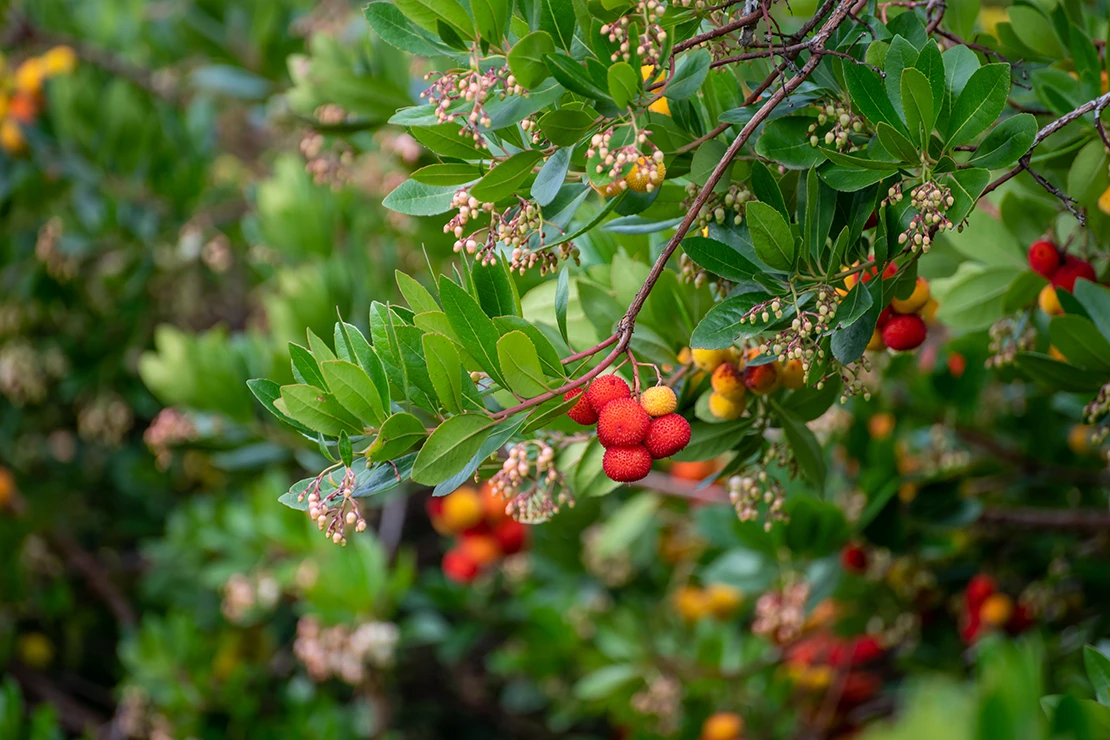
{"x": 474, "y": 330}
{"x": 353, "y": 388}
{"x": 396, "y": 436}
{"x": 917, "y": 101}
{"x": 552, "y": 175}
{"x": 774, "y": 243}
{"x": 450, "y": 447}
{"x": 624, "y": 84}
{"x": 521, "y": 365}
{"x": 414, "y": 198}
{"x": 869, "y": 96}
{"x": 979, "y": 105}
{"x": 445, "y": 370}
{"x": 317, "y": 410}
{"x": 565, "y": 127}
{"x": 688, "y": 76}
{"x": 719, "y": 258}
{"x": 786, "y": 141}
{"x": 502, "y": 180}
{"x": 1006, "y": 143}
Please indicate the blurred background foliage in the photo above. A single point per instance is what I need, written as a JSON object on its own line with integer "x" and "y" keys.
{"x": 201, "y": 187}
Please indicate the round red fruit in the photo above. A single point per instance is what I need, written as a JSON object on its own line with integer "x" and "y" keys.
{"x": 621, "y": 423}
{"x": 979, "y": 589}
{"x": 582, "y": 412}
{"x": 853, "y": 559}
{"x": 511, "y": 535}
{"x": 626, "y": 464}
{"x": 459, "y": 567}
{"x": 605, "y": 389}
{"x": 1073, "y": 269}
{"x": 667, "y": 435}
{"x": 1044, "y": 258}
{"x": 884, "y": 317}
{"x": 904, "y": 332}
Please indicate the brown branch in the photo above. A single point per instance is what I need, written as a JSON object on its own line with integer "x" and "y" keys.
{"x": 701, "y": 38}
{"x": 97, "y": 579}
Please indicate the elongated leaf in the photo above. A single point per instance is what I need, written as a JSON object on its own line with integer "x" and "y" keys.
{"x": 267, "y": 392}
{"x": 416, "y": 295}
{"x": 869, "y": 96}
{"x": 497, "y": 439}
{"x": 552, "y": 176}
{"x": 688, "y": 75}
{"x": 771, "y": 236}
{"x": 396, "y": 436}
{"x": 573, "y": 76}
{"x": 917, "y": 101}
{"x": 414, "y": 198}
{"x": 1006, "y": 143}
{"x": 719, "y": 258}
{"x": 562, "y": 297}
{"x": 305, "y": 368}
{"x": 317, "y": 410}
{"x": 1080, "y": 341}
{"x": 1098, "y": 671}
{"x": 450, "y": 447}
{"x": 474, "y": 330}
{"x": 979, "y": 105}
{"x": 502, "y": 180}
{"x": 521, "y": 364}
{"x": 353, "y": 388}
{"x": 526, "y": 58}
{"x": 807, "y": 451}
{"x": 786, "y": 141}
{"x": 624, "y": 84}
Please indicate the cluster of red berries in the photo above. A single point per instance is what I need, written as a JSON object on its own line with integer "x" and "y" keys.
{"x": 1062, "y": 270}
{"x": 824, "y": 659}
{"x": 634, "y": 432}
{"x": 485, "y": 532}
{"x": 987, "y": 609}
{"x": 853, "y": 559}
{"x": 901, "y": 325}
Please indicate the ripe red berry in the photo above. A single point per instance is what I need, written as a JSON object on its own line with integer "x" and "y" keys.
{"x": 979, "y": 589}
{"x": 621, "y": 423}
{"x": 582, "y": 412}
{"x": 459, "y": 567}
{"x": 667, "y": 435}
{"x": 970, "y": 631}
{"x": 853, "y": 559}
{"x": 511, "y": 535}
{"x": 884, "y": 316}
{"x": 863, "y": 650}
{"x": 626, "y": 464}
{"x": 605, "y": 389}
{"x": 904, "y": 332}
{"x": 1073, "y": 269}
{"x": 1044, "y": 258}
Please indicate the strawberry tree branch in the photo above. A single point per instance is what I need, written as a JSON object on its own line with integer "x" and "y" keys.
{"x": 623, "y": 335}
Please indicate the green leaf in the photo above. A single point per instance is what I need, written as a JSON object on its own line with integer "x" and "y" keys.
{"x": 605, "y": 681}
{"x": 447, "y": 140}
{"x": 368, "y": 481}
{"x": 979, "y": 105}
{"x": 305, "y": 368}
{"x": 811, "y": 402}
{"x": 552, "y": 175}
{"x": 724, "y": 323}
{"x": 320, "y": 350}
{"x": 445, "y": 370}
{"x": 897, "y": 145}
{"x": 557, "y": 19}
{"x": 550, "y": 361}
{"x": 565, "y": 127}
{"x": 624, "y": 84}
{"x": 688, "y": 75}
{"x": 441, "y": 175}
{"x": 774, "y": 243}
{"x": 869, "y": 96}
{"x": 1006, "y": 143}
{"x": 1023, "y": 291}
{"x": 707, "y": 441}
{"x": 852, "y": 160}
{"x": 820, "y": 207}
{"x": 719, "y": 258}
{"x": 1095, "y": 300}
{"x": 317, "y": 410}
{"x": 425, "y": 13}
{"x": 526, "y": 58}
{"x": 496, "y": 440}
{"x": 450, "y": 447}
{"x": 416, "y": 295}
{"x": 815, "y": 528}
{"x": 353, "y": 388}
{"x": 474, "y": 330}
{"x": 848, "y": 344}
{"x": 562, "y": 298}
{"x": 573, "y": 76}
{"x": 502, "y": 180}
{"x": 786, "y": 141}
{"x": 396, "y": 436}
{"x": 267, "y": 391}
{"x": 346, "y": 454}
{"x": 766, "y": 189}
{"x": 854, "y": 305}
{"x": 628, "y": 524}
{"x": 368, "y": 360}
{"x": 807, "y": 451}
{"x": 901, "y": 55}
{"x": 414, "y": 198}
{"x": 521, "y": 365}
{"x": 931, "y": 64}
{"x": 850, "y": 179}
{"x": 1080, "y": 341}
{"x": 967, "y": 186}
{"x": 396, "y": 30}
{"x": 491, "y": 18}
{"x": 917, "y": 100}
{"x": 1098, "y": 671}
{"x": 1057, "y": 375}
{"x": 972, "y": 299}
{"x": 495, "y": 293}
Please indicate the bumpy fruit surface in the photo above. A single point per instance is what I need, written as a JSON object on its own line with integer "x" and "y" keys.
{"x": 723, "y": 408}
{"x": 1049, "y": 301}
{"x": 903, "y": 333}
{"x": 462, "y": 510}
{"x": 622, "y": 422}
{"x": 996, "y": 610}
{"x": 793, "y": 375}
{"x": 458, "y": 566}
{"x": 853, "y": 559}
{"x": 643, "y": 178}
{"x": 667, "y": 435}
{"x": 722, "y": 726}
{"x": 1044, "y": 258}
{"x": 709, "y": 359}
{"x": 763, "y": 379}
{"x": 916, "y": 301}
{"x": 610, "y": 189}
{"x": 1073, "y": 269}
{"x": 511, "y": 535}
{"x": 626, "y": 464}
{"x": 605, "y": 389}
{"x": 728, "y": 380}
{"x": 582, "y": 412}
{"x": 722, "y": 600}
{"x": 659, "y": 400}
{"x": 481, "y": 547}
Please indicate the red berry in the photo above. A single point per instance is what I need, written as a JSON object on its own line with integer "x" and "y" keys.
{"x": 511, "y": 535}
{"x": 889, "y": 271}
{"x": 904, "y": 332}
{"x": 1073, "y": 269}
{"x": 979, "y": 589}
{"x": 859, "y": 686}
{"x": 626, "y": 464}
{"x": 853, "y": 559}
{"x": 459, "y": 567}
{"x": 605, "y": 389}
{"x": 667, "y": 435}
{"x": 884, "y": 316}
{"x": 582, "y": 412}
{"x": 970, "y": 631}
{"x": 863, "y": 650}
{"x": 1044, "y": 258}
{"x": 621, "y": 423}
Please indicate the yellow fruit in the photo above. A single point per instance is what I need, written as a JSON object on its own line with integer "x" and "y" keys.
{"x": 722, "y": 726}
{"x": 1104, "y": 199}
{"x": 929, "y": 312}
{"x": 763, "y": 379}
{"x": 1056, "y": 354}
{"x": 876, "y": 344}
{"x": 462, "y": 510}
{"x": 907, "y": 492}
{"x": 690, "y": 603}
{"x": 996, "y": 610}
{"x": 709, "y": 359}
{"x": 29, "y": 75}
{"x": 35, "y": 649}
{"x": 11, "y": 137}
{"x": 610, "y": 189}
{"x": 1079, "y": 440}
{"x": 482, "y": 549}
{"x": 793, "y": 375}
{"x": 659, "y": 106}
{"x": 990, "y": 16}
{"x": 728, "y": 381}
{"x": 916, "y": 301}
{"x": 723, "y": 408}
{"x": 685, "y": 357}
{"x": 722, "y": 600}
{"x": 880, "y": 426}
{"x": 659, "y": 401}
{"x": 705, "y": 232}
{"x": 645, "y": 176}
{"x": 1050, "y": 302}
{"x": 60, "y": 60}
